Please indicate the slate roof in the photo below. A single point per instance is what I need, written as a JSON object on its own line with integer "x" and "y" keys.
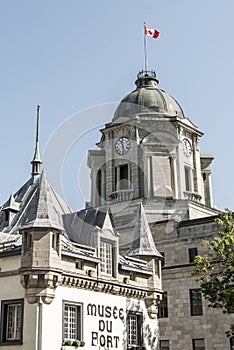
{"x": 143, "y": 243}
{"x": 79, "y": 226}
{"x": 44, "y": 209}
{"x": 132, "y": 264}
{"x": 38, "y": 205}
{"x": 10, "y": 244}
{"x": 79, "y": 251}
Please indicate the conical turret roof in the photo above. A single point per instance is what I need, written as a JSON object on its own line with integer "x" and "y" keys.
{"x": 39, "y": 206}
{"x": 143, "y": 243}
{"x": 43, "y": 210}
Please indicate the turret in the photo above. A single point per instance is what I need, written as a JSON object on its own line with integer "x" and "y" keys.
{"x": 41, "y": 226}
{"x": 41, "y": 245}
{"x": 143, "y": 247}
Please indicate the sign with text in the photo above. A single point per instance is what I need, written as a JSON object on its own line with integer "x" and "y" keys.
{"x": 110, "y": 320}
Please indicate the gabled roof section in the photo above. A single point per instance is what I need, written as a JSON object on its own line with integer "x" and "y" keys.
{"x": 39, "y": 206}
{"x": 80, "y": 226}
{"x": 11, "y": 204}
{"x": 143, "y": 243}
{"x": 78, "y": 251}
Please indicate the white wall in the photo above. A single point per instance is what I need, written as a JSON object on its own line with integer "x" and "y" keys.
{"x": 93, "y": 326}
{"x": 10, "y": 288}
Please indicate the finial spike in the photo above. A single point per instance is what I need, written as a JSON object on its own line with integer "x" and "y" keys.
{"x": 38, "y": 123}
{"x": 36, "y": 162}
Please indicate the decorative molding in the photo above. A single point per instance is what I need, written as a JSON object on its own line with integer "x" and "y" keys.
{"x": 105, "y": 287}
{"x": 9, "y": 273}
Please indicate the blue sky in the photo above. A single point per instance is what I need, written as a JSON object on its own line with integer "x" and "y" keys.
{"x": 70, "y": 56}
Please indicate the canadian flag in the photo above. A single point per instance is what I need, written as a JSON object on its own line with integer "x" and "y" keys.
{"x": 151, "y": 32}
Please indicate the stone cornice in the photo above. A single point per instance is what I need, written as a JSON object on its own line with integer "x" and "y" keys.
{"x": 104, "y": 286}
{"x": 9, "y": 273}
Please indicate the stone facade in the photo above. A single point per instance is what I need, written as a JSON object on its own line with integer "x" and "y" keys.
{"x": 160, "y": 147}
{"x": 118, "y": 274}
{"x": 179, "y": 326}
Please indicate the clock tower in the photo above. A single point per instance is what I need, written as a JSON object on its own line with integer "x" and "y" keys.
{"x": 150, "y": 153}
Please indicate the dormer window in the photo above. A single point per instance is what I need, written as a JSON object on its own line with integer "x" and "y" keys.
{"x": 106, "y": 256}
{"x": 106, "y": 241}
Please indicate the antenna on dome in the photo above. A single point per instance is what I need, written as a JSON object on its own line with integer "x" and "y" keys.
{"x": 36, "y": 162}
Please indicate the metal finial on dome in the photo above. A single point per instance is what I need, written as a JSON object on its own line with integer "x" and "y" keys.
{"x": 36, "y": 162}
{"x": 146, "y": 73}
{"x": 146, "y": 77}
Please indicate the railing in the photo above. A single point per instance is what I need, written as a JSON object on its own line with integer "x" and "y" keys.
{"x": 193, "y": 196}
{"x": 146, "y": 73}
{"x": 122, "y": 195}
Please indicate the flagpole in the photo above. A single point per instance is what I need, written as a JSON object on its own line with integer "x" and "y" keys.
{"x": 145, "y": 50}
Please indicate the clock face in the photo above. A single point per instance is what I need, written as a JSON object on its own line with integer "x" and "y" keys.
{"x": 187, "y": 147}
{"x": 122, "y": 145}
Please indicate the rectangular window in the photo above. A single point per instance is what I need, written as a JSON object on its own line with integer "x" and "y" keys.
{"x": 157, "y": 268}
{"x": 134, "y": 329}
{"x": 198, "y": 344}
{"x": 99, "y": 183}
{"x": 106, "y": 256}
{"x": 79, "y": 264}
{"x": 196, "y": 302}
{"x": 187, "y": 173}
{"x": 116, "y": 178}
{"x": 121, "y": 174}
{"x": 161, "y": 176}
{"x": 72, "y": 321}
{"x": 192, "y": 254}
{"x": 232, "y": 343}
{"x": 123, "y": 177}
{"x": 12, "y": 321}
{"x": 163, "y": 307}
{"x": 27, "y": 242}
{"x": 163, "y": 259}
{"x": 7, "y": 215}
{"x": 164, "y": 345}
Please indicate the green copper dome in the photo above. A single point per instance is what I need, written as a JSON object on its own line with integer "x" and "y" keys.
{"x": 147, "y": 97}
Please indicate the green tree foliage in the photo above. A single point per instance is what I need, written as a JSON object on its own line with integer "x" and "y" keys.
{"x": 215, "y": 270}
